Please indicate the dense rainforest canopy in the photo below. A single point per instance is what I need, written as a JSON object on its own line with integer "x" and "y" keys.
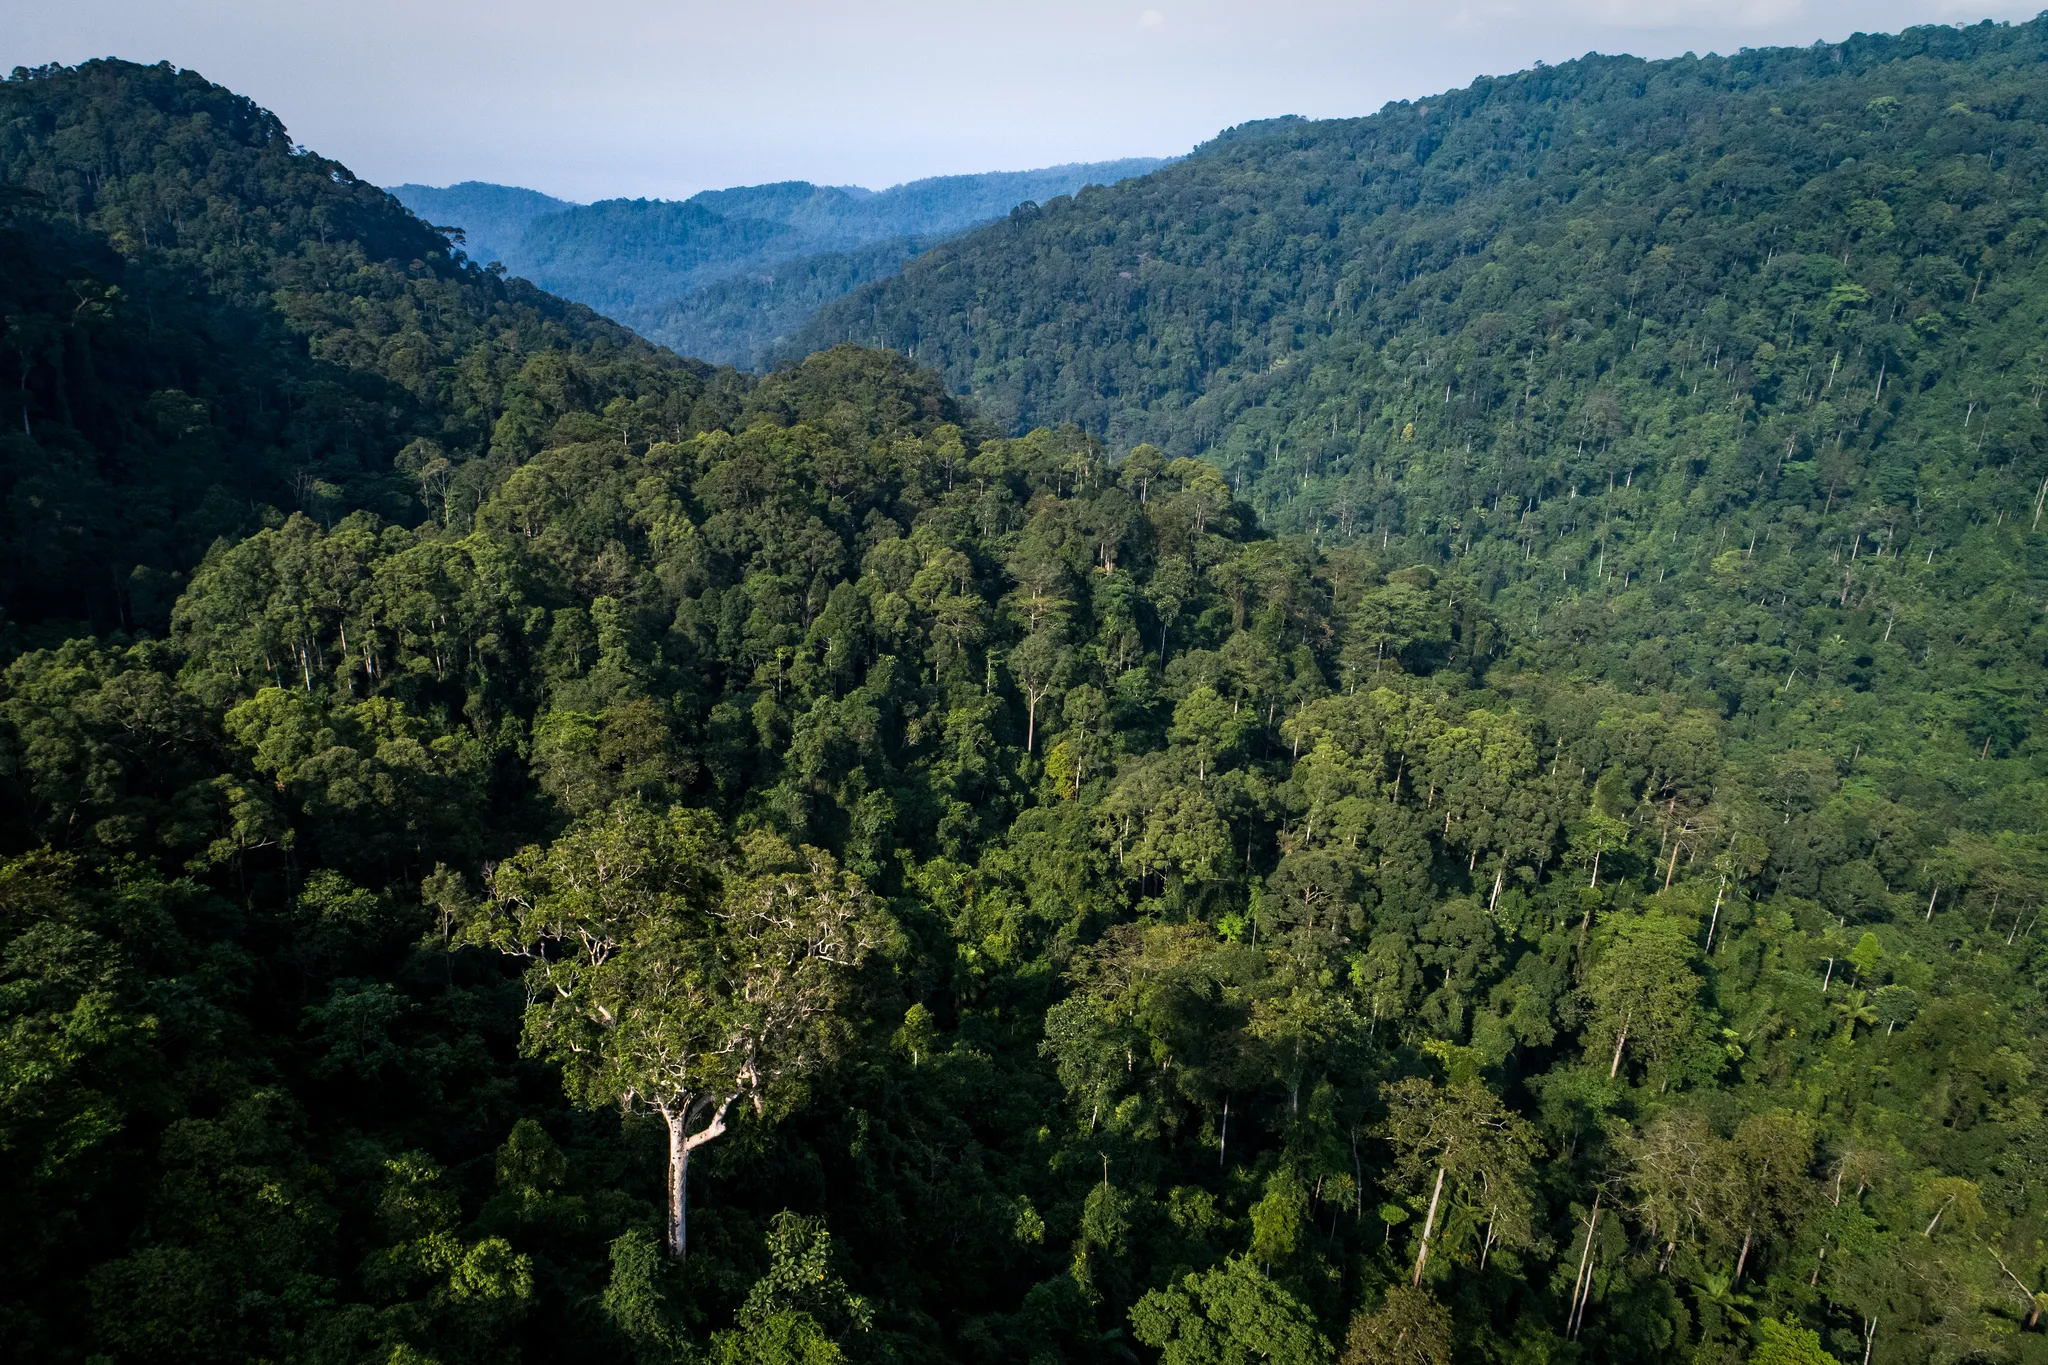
{"x": 1051, "y": 899}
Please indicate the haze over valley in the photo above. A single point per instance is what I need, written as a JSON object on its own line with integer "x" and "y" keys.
{"x": 731, "y": 275}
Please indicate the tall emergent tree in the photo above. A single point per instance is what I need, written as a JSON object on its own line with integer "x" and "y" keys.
{"x": 1481, "y": 1153}
{"x": 670, "y": 973}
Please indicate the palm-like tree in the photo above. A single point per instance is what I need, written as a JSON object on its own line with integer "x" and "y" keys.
{"x": 1721, "y": 1306}
{"x": 1855, "y": 1008}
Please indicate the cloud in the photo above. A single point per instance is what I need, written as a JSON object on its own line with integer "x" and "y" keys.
{"x": 1151, "y": 18}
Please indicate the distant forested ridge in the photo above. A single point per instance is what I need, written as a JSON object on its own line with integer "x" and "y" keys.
{"x": 752, "y": 319}
{"x": 694, "y": 867}
{"x": 492, "y": 217}
{"x": 730, "y": 275}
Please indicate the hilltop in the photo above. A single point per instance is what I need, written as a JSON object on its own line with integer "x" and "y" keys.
{"x": 206, "y": 322}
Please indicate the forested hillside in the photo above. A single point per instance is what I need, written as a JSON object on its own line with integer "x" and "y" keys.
{"x": 1043, "y": 899}
{"x": 204, "y": 322}
{"x": 1550, "y": 274}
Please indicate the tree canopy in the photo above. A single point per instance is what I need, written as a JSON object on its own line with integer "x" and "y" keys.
{"x": 1064, "y": 900}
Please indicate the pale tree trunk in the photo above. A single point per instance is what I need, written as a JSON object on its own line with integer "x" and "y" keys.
{"x": 681, "y": 1142}
{"x": 2033, "y": 1303}
{"x": 1620, "y": 1041}
{"x": 1742, "y": 1259}
{"x": 678, "y": 1190}
{"x": 1582, "y": 1287}
{"x": 1428, "y": 1226}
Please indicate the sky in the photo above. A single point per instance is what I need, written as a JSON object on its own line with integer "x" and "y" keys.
{"x": 662, "y": 98}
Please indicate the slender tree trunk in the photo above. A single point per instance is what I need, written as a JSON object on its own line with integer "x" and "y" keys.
{"x": 1583, "y": 1282}
{"x": 1620, "y": 1041}
{"x": 678, "y": 1187}
{"x": 1742, "y": 1259}
{"x": 1357, "y": 1179}
{"x": 1715, "y": 922}
{"x": 1428, "y": 1226}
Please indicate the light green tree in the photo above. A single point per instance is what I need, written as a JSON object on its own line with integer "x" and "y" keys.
{"x": 794, "y": 1314}
{"x": 669, "y": 974}
{"x": 1787, "y": 1343}
{"x": 1644, "y": 990}
{"x": 1409, "y": 1328}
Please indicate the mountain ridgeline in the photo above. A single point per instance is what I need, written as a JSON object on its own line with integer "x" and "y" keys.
{"x": 1512, "y": 828}
{"x": 492, "y": 217}
{"x": 730, "y": 275}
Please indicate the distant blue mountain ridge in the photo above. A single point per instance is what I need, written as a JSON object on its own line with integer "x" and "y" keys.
{"x": 730, "y": 275}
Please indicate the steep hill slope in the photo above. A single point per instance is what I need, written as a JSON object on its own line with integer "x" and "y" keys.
{"x": 1726, "y": 371}
{"x": 1560, "y": 257}
{"x": 203, "y": 322}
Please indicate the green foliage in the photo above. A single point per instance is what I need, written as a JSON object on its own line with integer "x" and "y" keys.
{"x": 1123, "y": 927}
{"x": 792, "y": 1313}
{"x": 1788, "y": 1344}
{"x": 1410, "y": 1328}
{"x": 1228, "y": 1316}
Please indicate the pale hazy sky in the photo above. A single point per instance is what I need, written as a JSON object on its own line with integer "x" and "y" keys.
{"x": 596, "y": 98}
